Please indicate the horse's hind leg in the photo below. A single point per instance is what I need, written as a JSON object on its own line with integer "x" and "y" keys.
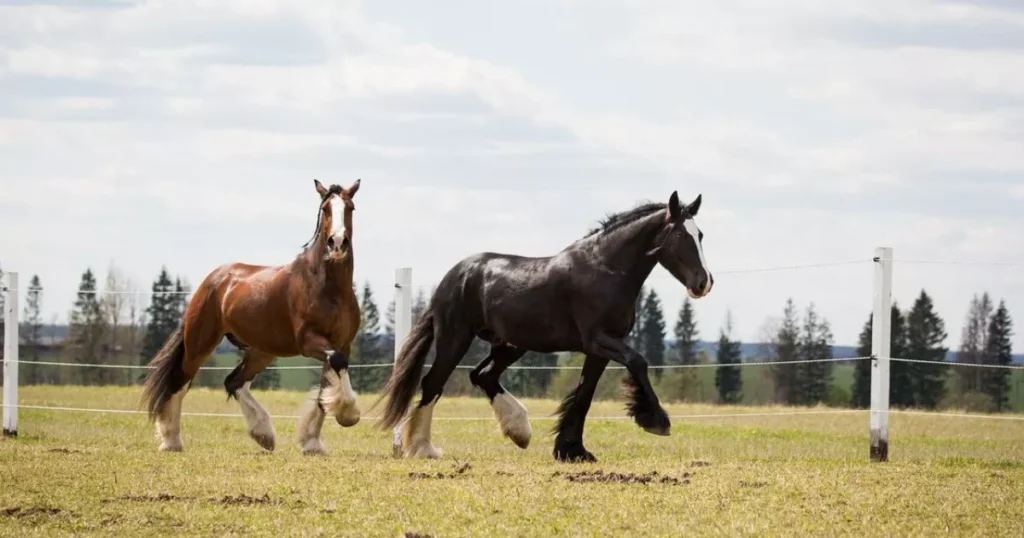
{"x": 510, "y": 413}
{"x": 451, "y": 343}
{"x": 177, "y": 364}
{"x": 261, "y": 428}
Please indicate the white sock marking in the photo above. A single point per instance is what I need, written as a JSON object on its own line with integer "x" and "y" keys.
{"x": 168, "y": 424}
{"x": 339, "y": 399}
{"x": 311, "y": 422}
{"x": 416, "y": 434}
{"x": 261, "y": 428}
{"x": 513, "y": 419}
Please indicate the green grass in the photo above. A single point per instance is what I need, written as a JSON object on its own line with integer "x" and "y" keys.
{"x": 74, "y": 473}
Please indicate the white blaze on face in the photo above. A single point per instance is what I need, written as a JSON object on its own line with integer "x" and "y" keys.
{"x": 337, "y": 217}
{"x": 691, "y": 228}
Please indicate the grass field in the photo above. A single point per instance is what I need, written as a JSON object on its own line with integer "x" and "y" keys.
{"x": 71, "y": 473}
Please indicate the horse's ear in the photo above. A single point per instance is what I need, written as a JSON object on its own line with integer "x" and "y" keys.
{"x": 673, "y": 206}
{"x": 694, "y": 207}
{"x": 354, "y": 188}
{"x": 320, "y": 188}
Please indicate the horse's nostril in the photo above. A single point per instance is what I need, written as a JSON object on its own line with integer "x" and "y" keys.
{"x": 330, "y": 242}
{"x": 344, "y": 243}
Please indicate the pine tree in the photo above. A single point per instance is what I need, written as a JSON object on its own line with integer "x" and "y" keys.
{"x": 973, "y": 344}
{"x": 860, "y": 392}
{"x": 815, "y": 344}
{"x": 999, "y": 351}
{"x": 389, "y": 320}
{"x": 786, "y": 376}
{"x": 901, "y": 388}
{"x": 925, "y": 334}
{"x": 653, "y": 332}
{"x": 728, "y": 379}
{"x": 687, "y": 334}
{"x": 33, "y": 313}
{"x": 162, "y": 314}
{"x": 87, "y": 328}
{"x": 33, "y": 328}
{"x": 367, "y": 345}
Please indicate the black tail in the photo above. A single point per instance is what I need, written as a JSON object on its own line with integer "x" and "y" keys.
{"x": 405, "y": 377}
{"x": 166, "y": 377}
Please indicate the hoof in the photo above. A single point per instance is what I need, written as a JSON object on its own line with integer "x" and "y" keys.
{"x": 266, "y": 441}
{"x": 662, "y": 431}
{"x": 574, "y": 453}
{"x": 347, "y": 421}
{"x": 425, "y": 451}
{"x": 171, "y": 446}
{"x": 313, "y": 447}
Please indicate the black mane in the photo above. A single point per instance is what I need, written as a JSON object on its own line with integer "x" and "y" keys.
{"x": 615, "y": 221}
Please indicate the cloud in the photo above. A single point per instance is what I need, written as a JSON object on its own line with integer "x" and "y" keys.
{"x": 187, "y": 133}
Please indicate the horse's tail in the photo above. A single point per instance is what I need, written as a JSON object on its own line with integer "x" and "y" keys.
{"x": 167, "y": 376}
{"x": 401, "y": 387}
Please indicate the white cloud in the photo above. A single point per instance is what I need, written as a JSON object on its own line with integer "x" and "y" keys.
{"x": 188, "y": 133}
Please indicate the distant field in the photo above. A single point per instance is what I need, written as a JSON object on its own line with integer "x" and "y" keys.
{"x": 100, "y": 474}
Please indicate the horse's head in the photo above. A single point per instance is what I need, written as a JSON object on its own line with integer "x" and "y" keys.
{"x": 679, "y": 248}
{"x": 336, "y": 209}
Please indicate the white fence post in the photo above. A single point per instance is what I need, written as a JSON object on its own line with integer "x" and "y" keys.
{"x": 881, "y": 327}
{"x": 403, "y": 324}
{"x": 11, "y": 357}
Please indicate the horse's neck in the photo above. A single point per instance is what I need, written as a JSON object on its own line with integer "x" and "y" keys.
{"x": 332, "y": 278}
{"x": 625, "y": 251}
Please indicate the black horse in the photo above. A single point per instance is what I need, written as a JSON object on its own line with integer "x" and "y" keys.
{"x": 583, "y": 299}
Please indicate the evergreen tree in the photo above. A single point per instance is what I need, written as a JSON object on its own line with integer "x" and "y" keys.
{"x": 389, "y": 320}
{"x": 33, "y": 328}
{"x": 653, "y": 333}
{"x": 925, "y": 334}
{"x": 728, "y": 379}
{"x": 34, "y": 316}
{"x": 367, "y": 345}
{"x": 786, "y": 376}
{"x": 860, "y": 393}
{"x": 87, "y": 328}
{"x": 162, "y": 314}
{"x": 901, "y": 389}
{"x": 686, "y": 333}
{"x": 815, "y": 344}
{"x": 419, "y": 305}
{"x": 999, "y": 351}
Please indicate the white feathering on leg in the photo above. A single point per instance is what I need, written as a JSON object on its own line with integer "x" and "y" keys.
{"x": 416, "y": 434}
{"x": 339, "y": 399}
{"x": 168, "y": 424}
{"x": 513, "y": 419}
{"x": 311, "y": 422}
{"x": 261, "y": 429}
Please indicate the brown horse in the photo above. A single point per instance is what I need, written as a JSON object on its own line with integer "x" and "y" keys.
{"x": 305, "y": 308}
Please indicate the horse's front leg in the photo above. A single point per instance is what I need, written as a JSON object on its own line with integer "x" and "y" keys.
{"x": 334, "y": 395}
{"x": 573, "y": 413}
{"x": 644, "y": 406}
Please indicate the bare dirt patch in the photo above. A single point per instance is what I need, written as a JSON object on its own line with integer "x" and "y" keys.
{"x": 32, "y": 511}
{"x": 459, "y": 471}
{"x": 653, "y": 477}
{"x": 246, "y": 500}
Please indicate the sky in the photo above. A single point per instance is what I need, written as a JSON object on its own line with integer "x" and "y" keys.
{"x": 188, "y": 134}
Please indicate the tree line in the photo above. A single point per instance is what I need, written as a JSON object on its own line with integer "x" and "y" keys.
{"x": 119, "y": 325}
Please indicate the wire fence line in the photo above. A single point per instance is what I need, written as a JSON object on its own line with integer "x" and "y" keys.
{"x": 464, "y": 419}
{"x": 555, "y": 367}
{"x": 545, "y": 418}
{"x": 465, "y": 367}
